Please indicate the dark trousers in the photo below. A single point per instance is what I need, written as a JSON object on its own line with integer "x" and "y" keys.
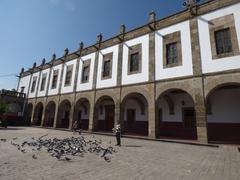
{"x": 118, "y": 136}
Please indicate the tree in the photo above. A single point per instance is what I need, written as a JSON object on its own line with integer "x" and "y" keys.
{"x": 3, "y": 111}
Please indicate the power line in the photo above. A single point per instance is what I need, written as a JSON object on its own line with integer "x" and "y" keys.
{"x": 8, "y": 75}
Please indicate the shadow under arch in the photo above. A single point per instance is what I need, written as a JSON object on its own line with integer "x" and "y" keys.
{"x": 104, "y": 114}
{"x": 175, "y": 115}
{"x": 134, "y": 114}
{"x": 81, "y": 113}
{"x": 38, "y": 112}
{"x": 222, "y": 105}
{"x": 50, "y": 111}
{"x": 63, "y": 117}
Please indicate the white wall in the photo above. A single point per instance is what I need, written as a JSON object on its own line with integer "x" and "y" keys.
{"x": 68, "y": 89}
{"x": 113, "y": 80}
{"x": 186, "y": 68}
{"x": 177, "y": 116}
{"x": 132, "y": 104}
{"x": 209, "y": 65}
{"x": 50, "y": 90}
{"x": 43, "y": 93}
{"x": 139, "y": 77}
{"x": 24, "y": 82}
{"x": 89, "y": 84}
{"x": 225, "y": 106}
{"x": 33, "y": 94}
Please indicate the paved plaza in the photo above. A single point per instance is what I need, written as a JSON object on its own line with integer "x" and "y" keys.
{"x": 136, "y": 159}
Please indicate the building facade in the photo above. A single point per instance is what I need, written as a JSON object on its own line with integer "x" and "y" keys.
{"x": 177, "y": 77}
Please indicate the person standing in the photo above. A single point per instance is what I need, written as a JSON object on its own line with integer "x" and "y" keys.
{"x": 118, "y": 134}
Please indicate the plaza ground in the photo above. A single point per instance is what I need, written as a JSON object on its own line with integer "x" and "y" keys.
{"x": 136, "y": 159}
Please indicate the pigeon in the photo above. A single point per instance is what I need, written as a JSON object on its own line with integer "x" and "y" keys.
{"x": 3, "y": 140}
{"x": 63, "y": 149}
{"x": 34, "y": 156}
{"x": 67, "y": 159}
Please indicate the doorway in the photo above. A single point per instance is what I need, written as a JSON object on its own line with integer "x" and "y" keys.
{"x": 109, "y": 117}
{"x": 131, "y": 118}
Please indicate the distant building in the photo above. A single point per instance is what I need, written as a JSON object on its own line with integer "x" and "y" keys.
{"x": 15, "y": 102}
{"x": 177, "y": 77}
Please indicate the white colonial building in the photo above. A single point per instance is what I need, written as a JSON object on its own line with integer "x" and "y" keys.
{"x": 177, "y": 77}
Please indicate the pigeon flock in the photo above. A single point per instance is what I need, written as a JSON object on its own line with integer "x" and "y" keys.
{"x": 65, "y": 149}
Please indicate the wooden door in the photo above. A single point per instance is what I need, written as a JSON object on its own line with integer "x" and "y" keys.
{"x": 131, "y": 118}
{"x": 189, "y": 120}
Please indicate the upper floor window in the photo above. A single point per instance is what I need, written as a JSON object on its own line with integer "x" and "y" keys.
{"x": 54, "y": 80}
{"x": 68, "y": 77}
{"x": 172, "y": 50}
{"x": 107, "y": 66}
{"x": 223, "y": 41}
{"x": 85, "y": 74}
{"x": 135, "y": 59}
{"x": 22, "y": 89}
{"x": 33, "y": 84}
{"x": 223, "y": 37}
{"x": 134, "y": 62}
{"x": 171, "y": 53}
{"x": 85, "y": 71}
{"x": 43, "y": 83}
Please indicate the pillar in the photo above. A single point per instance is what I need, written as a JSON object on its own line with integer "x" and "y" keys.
{"x": 151, "y": 113}
{"x": 200, "y": 109}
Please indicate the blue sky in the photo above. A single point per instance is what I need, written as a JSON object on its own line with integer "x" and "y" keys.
{"x": 31, "y": 30}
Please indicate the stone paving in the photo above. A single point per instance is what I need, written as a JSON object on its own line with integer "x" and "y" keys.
{"x": 136, "y": 159}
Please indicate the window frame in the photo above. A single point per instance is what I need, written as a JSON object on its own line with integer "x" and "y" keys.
{"x": 55, "y": 74}
{"x": 136, "y": 49}
{"x": 222, "y": 23}
{"x": 34, "y": 83}
{"x": 68, "y": 78}
{"x": 86, "y": 64}
{"x": 44, "y": 78}
{"x": 172, "y": 38}
{"x": 107, "y": 58}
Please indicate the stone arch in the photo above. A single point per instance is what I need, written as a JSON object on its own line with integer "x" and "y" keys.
{"x": 104, "y": 120}
{"x": 64, "y": 113}
{"x": 134, "y": 114}
{"x": 175, "y": 114}
{"x": 38, "y": 112}
{"x": 50, "y": 111}
{"x": 184, "y": 86}
{"x": 82, "y": 112}
{"x": 222, "y": 103}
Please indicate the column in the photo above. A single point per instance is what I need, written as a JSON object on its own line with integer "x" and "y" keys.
{"x": 200, "y": 109}
{"x": 151, "y": 113}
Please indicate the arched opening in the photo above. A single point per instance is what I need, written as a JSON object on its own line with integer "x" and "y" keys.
{"x": 81, "y": 113}
{"x": 223, "y": 113}
{"x": 104, "y": 114}
{"x": 49, "y": 114}
{"x": 37, "y": 117}
{"x": 29, "y": 113}
{"x": 64, "y": 114}
{"x": 175, "y": 114}
{"x": 134, "y": 114}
